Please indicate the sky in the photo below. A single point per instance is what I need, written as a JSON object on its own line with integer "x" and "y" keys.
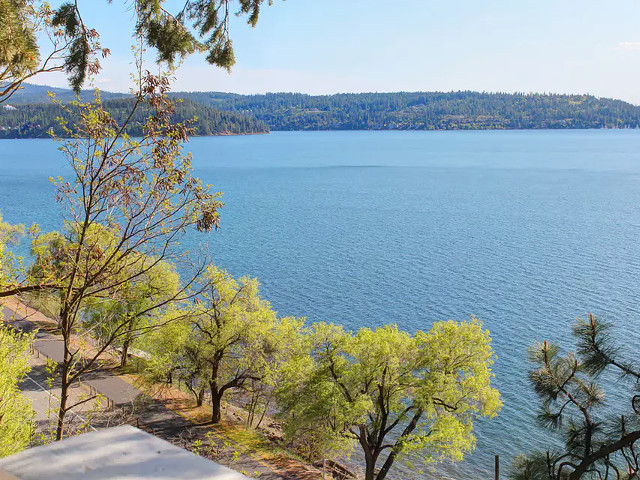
{"x": 332, "y": 46}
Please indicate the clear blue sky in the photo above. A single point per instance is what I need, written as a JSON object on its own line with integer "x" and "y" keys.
{"x": 329, "y": 46}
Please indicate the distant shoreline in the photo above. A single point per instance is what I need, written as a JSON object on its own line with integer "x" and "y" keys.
{"x": 376, "y": 130}
{"x": 190, "y": 136}
{"x": 402, "y": 111}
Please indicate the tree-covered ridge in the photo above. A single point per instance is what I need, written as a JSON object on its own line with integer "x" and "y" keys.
{"x": 361, "y": 111}
{"x": 426, "y": 110}
{"x": 36, "y": 120}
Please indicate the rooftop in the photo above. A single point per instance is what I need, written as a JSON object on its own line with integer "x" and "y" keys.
{"x": 116, "y": 453}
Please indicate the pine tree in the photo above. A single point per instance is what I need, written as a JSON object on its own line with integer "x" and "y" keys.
{"x": 597, "y": 443}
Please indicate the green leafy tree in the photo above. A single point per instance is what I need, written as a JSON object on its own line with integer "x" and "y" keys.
{"x": 290, "y": 342}
{"x": 598, "y": 443}
{"x": 230, "y": 339}
{"x": 130, "y": 305}
{"x": 9, "y": 235}
{"x": 165, "y": 347}
{"x": 233, "y": 335}
{"x": 126, "y": 207}
{"x": 129, "y": 201}
{"x": 394, "y": 394}
{"x": 16, "y": 414}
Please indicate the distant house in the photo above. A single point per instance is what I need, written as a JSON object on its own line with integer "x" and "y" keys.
{"x": 9, "y": 107}
{"x": 109, "y": 454}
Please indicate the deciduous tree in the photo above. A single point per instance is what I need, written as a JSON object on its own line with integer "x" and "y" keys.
{"x": 394, "y": 394}
{"x": 230, "y": 339}
{"x": 9, "y": 235}
{"x": 130, "y": 304}
{"x": 16, "y": 414}
{"x": 126, "y": 206}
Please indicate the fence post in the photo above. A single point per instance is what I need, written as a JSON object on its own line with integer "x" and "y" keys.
{"x": 497, "y": 467}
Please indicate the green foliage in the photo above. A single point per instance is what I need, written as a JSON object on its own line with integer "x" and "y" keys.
{"x": 127, "y": 205}
{"x": 201, "y": 25}
{"x": 165, "y": 345}
{"x": 9, "y": 234}
{"x": 198, "y": 26}
{"x": 124, "y": 316}
{"x": 16, "y": 414}
{"x": 18, "y": 46}
{"x": 22, "y": 24}
{"x": 395, "y": 394}
{"x": 220, "y": 113}
{"x": 80, "y": 38}
{"x": 228, "y": 339}
{"x": 598, "y": 443}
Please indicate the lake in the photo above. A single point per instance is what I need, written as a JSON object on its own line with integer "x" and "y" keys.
{"x": 526, "y": 230}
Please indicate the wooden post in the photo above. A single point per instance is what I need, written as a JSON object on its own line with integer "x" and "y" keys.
{"x": 324, "y": 468}
{"x": 497, "y": 467}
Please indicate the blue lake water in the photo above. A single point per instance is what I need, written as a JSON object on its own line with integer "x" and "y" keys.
{"x": 524, "y": 229}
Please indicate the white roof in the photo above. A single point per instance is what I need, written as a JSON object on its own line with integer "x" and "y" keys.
{"x": 115, "y": 453}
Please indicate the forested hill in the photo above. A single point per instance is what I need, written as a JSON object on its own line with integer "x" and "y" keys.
{"x": 426, "y": 111}
{"x": 35, "y": 120}
{"x": 386, "y": 111}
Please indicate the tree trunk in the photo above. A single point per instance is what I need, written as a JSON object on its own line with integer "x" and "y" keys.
{"x": 253, "y": 404}
{"x": 264, "y": 412}
{"x": 392, "y": 455}
{"x": 370, "y": 466}
{"x": 386, "y": 466}
{"x": 197, "y": 392}
{"x": 125, "y": 352}
{"x": 64, "y": 395}
{"x": 216, "y": 405}
{"x": 125, "y": 345}
{"x": 370, "y": 458}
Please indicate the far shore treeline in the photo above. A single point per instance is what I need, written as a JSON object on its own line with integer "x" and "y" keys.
{"x": 30, "y": 114}
{"x": 38, "y": 119}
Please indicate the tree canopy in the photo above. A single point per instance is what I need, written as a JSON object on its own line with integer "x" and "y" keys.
{"x": 392, "y": 393}
{"x": 126, "y": 206}
{"x": 9, "y": 234}
{"x": 132, "y": 304}
{"x": 229, "y": 338}
{"x": 16, "y": 413}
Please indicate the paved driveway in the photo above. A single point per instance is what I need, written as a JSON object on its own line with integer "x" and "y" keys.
{"x": 118, "y": 391}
